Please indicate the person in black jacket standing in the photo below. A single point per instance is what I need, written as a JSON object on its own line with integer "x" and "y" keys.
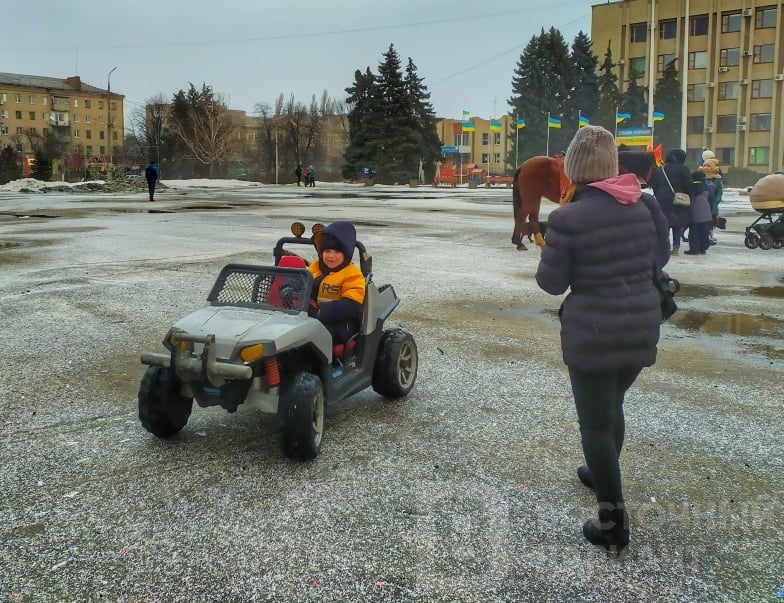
{"x": 604, "y": 246}
{"x": 680, "y": 177}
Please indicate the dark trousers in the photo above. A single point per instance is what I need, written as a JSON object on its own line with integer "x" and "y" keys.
{"x": 151, "y": 188}
{"x": 699, "y": 237}
{"x": 598, "y": 398}
{"x": 677, "y": 233}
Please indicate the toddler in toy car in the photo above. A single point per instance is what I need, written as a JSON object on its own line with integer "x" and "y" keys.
{"x": 338, "y": 284}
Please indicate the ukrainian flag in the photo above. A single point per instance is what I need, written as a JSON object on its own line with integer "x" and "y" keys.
{"x": 520, "y": 123}
{"x": 658, "y": 116}
{"x": 495, "y": 125}
{"x": 619, "y": 117}
{"x": 553, "y": 123}
{"x": 583, "y": 121}
{"x": 468, "y": 126}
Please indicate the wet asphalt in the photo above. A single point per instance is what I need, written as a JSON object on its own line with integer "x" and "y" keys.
{"x": 464, "y": 491}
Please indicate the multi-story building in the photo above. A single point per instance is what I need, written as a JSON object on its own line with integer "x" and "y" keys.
{"x": 730, "y": 57}
{"x": 82, "y": 122}
{"x": 487, "y": 146}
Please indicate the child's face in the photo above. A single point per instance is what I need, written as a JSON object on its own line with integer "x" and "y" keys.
{"x": 332, "y": 258}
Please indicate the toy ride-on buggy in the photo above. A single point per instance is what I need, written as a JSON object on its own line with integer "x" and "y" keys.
{"x": 256, "y": 345}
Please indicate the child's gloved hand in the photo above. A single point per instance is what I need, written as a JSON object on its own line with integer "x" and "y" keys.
{"x": 313, "y": 309}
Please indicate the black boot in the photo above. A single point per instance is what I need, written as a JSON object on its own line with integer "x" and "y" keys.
{"x": 584, "y": 475}
{"x": 611, "y": 530}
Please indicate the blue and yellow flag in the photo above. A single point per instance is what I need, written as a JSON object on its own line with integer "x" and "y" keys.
{"x": 520, "y": 123}
{"x": 658, "y": 116}
{"x": 583, "y": 121}
{"x": 495, "y": 125}
{"x": 553, "y": 123}
{"x": 619, "y": 117}
{"x": 465, "y": 115}
{"x": 468, "y": 126}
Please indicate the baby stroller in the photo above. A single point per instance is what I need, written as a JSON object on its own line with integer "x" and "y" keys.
{"x": 767, "y": 197}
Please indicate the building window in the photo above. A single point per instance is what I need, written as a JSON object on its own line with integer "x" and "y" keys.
{"x": 726, "y": 123}
{"x": 637, "y": 64}
{"x": 76, "y": 103}
{"x": 88, "y": 134}
{"x": 759, "y": 155}
{"x": 726, "y": 155}
{"x": 485, "y": 157}
{"x": 18, "y": 114}
{"x": 17, "y": 98}
{"x": 639, "y": 32}
{"x": 114, "y": 106}
{"x": 89, "y": 148}
{"x": 19, "y": 130}
{"x": 485, "y": 138}
{"x": 698, "y": 25}
{"x": 100, "y": 104}
{"x": 3, "y": 130}
{"x": 87, "y": 119}
{"x": 496, "y": 138}
{"x": 761, "y": 88}
{"x": 496, "y": 157}
{"x": 664, "y": 60}
{"x": 32, "y": 132}
{"x": 102, "y": 150}
{"x": 102, "y": 135}
{"x": 695, "y": 124}
{"x": 4, "y": 113}
{"x": 44, "y": 116}
{"x": 765, "y": 18}
{"x": 759, "y": 122}
{"x": 698, "y": 59}
{"x": 668, "y": 29}
{"x": 728, "y": 90}
{"x": 87, "y": 104}
{"x": 44, "y": 100}
{"x": 764, "y": 53}
{"x": 31, "y": 99}
{"x": 76, "y": 133}
{"x": 100, "y": 119}
{"x": 76, "y": 117}
{"x": 695, "y": 92}
{"x": 729, "y": 57}
{"x": 114, "y": 134}
{"x": 731, "y": 22}
{"x": 31, "y": 116}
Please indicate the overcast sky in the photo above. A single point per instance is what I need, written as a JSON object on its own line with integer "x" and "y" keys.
{"x": 253, "y": 50}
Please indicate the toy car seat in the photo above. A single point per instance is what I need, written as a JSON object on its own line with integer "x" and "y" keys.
{"x": 275, "y": 298}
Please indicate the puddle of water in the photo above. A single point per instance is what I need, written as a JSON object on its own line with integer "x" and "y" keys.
{"x": 716, "y": 323}
{"x": 139, "y": 210}
{"x": 775, "y": 292}
{"x": 701, "y": 290}
{"x": 9, "y": 245}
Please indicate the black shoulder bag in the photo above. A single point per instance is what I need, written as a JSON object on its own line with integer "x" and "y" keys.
{"x": 667, "y": 288}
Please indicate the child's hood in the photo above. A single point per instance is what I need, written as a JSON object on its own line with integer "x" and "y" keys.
{"x": 346, "y": 235}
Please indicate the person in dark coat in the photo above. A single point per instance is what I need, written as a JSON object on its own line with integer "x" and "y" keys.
{"x": 604, "y": 246}
{"x": 701, "y": 217}
{"x": 152, "y": 173}
{"x": 680, "y": 177}
{"x": 298, "y": 174}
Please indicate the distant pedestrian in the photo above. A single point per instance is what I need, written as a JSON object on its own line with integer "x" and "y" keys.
{"x": 152, "y": 173}
{"x": 714, "y": 181}
{"x": 298, "y": 173}
{"x": 700, "y": 211}
{"x": 673, "y": 177}
{"x": 311, "y": 176}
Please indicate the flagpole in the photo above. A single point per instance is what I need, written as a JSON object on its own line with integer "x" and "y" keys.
{"x": 616, "y": 122}
{"x": 517, "y": 140}
{"x": 547, "y": 152}
{"x": 579, "y": 115}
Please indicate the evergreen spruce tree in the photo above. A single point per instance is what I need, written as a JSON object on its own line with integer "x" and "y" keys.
{"x": 585, "y": 96}
{"x": 609, "y": 97}
{"x": 542, "y": 83}
{"x": 633, "y": 101}
{"x": 364, "y": 120}
{"x": 429, "y": 143}
{"x": 42, "y": 167}
{"x": 667, "y": 100}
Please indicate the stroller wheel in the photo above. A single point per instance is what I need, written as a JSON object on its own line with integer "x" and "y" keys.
{"x": 766, "y": 243}
{"x": 751, "y": 241}
{"x": 778, "y": 243}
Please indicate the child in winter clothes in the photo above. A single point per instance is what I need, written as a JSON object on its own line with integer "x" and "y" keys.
{"x": 700, "y": 215}
{"x": 339, "y": 285}
{"x": 714, "y": 181}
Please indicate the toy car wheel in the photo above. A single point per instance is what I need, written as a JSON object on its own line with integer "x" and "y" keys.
{"x": 766, "y": 243}
{"x": 751, "y": 241}
{"x": 302, "y": 416}
{"x": 162, "y": 410}
{"x": 397, "y": 360}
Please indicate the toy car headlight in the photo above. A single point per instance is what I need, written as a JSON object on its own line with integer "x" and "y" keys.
{"x": 297, "y": 229}
{"x": 317, "y": 228}
{"x": 172, "y": 340}
{"x": 252, "y": 353}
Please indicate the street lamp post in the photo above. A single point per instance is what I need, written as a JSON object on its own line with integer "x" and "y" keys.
{"x": 109, "y": 120}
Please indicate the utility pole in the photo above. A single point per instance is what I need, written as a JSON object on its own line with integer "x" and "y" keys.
{"x": 109, "y": 121}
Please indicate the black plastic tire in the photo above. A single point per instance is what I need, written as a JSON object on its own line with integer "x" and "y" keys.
{"x": 751, "y": 241}
{"x": 302, "y": 416}
{"x": 766, "y": 243}
{"x": 162, "y": 410}
{"x": 397, "y": 361}
{"x": 778, "y": 244}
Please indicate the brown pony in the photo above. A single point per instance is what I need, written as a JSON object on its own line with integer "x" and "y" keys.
{"x": 537, "y": 177}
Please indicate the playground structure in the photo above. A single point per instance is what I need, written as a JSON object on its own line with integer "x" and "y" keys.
{"x": 467, "y": 173}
